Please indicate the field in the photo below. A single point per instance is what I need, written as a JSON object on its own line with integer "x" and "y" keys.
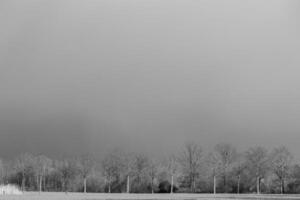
{"x": 80, "y": 196}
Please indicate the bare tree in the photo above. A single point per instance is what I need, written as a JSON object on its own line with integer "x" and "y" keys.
{"x": 86, "y": 164}
{"x": 22, "y": 163}
{"x": 227, "y": 154}
{"x": 152, "y": 170}
{"x": 281, "y": 160}
{"x": 2, "y": 172}
{"x": 136, "y": 172}
{"x": 173, "y": 169}
{"x": 127, "y": 165}
{"x": 42, "y": 165}
{"x": 108, "y": 171}
{"x": 112, "y": 166}
{"x": 238, "y": 168}
{"x": 257, "y": 162}
{"x": 140, "y": 168}
{"x": 190, "y": 161}
{"x": 68, "y": 171}
{"x": 214, "y": 165}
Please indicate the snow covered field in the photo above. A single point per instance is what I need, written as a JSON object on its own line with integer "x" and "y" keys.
{"x": 80, "y": 196}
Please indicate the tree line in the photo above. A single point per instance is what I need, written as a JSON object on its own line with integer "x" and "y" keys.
{"x": 222, "y": 170}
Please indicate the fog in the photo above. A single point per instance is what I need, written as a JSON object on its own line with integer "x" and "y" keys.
{"x": 86, "y": 76}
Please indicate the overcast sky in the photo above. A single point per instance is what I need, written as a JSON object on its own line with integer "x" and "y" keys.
{"x": 82, "y": 75}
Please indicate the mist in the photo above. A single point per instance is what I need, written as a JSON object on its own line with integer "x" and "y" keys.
{"x": 87, "y": 76}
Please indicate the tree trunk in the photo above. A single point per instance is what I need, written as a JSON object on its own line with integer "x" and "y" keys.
{"x": 172, "y": 184}
{"x": 84, "y": 184}
{"x": 194, "y": 186}
{"x": 128, "y": 184}
{"x": 44, "y": 182}
{"x": 224, "y": 182}
{"x": 238, "y": 184}
{"x": 215, "y": 191}
{"x": 109, "y": 189}
{"x": 282, "y": 186}
{"x": 191, "y": 182}
{"x": 258, "y": 185}
{"x": 40, "y": 183}
{"x": 63, "y": 186}
{"x": 23, "y": 182}
{"x": 37, "y": 181}
{"x": 152, "y": 180}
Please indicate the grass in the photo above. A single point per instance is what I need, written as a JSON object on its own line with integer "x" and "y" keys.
{"x": 101, "y": 196}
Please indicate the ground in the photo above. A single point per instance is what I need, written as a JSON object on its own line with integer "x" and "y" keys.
{"x": 80, "y": 196}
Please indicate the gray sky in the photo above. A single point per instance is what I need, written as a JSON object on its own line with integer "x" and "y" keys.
{"x": 148, "y": 75}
